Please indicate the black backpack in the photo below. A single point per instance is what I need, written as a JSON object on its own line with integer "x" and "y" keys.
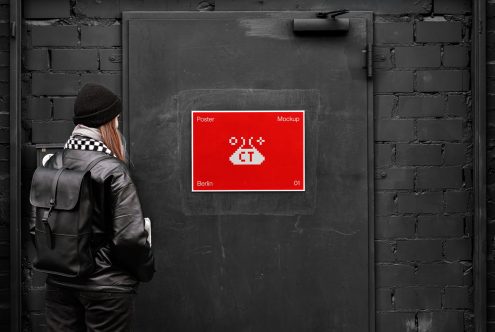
{"x": 64, "y": 206}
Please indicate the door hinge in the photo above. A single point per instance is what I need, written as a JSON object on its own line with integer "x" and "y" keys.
{"x": 368, "y": 60}
{"x": 12, "y": 29}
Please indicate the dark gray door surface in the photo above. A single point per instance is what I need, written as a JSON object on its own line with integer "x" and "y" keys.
{"x": 252, "y": 261}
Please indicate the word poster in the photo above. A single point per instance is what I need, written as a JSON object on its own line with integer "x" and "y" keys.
{"x": 247, "y": 151}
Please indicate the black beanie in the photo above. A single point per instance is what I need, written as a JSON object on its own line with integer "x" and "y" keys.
{"x": 96, "y": 105}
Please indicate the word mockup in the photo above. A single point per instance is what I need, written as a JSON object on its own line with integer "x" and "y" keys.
{"x": 247, "y": 151}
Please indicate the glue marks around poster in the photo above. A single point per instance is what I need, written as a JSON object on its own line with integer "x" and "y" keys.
{"x": 248, "y": 151}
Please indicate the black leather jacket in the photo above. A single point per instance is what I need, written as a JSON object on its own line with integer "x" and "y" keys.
{"x": 123, "y": 257}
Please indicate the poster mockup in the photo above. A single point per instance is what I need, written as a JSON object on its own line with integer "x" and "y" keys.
{"x": 247, "y": 150}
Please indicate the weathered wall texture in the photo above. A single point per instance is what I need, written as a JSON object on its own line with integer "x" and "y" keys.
{"x": 423, "y": 135}
{"x": 4, "y": 165}
{"x": 491, "y": 162}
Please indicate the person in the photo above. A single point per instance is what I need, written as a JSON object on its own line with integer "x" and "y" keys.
{"x": 103, "y": 301}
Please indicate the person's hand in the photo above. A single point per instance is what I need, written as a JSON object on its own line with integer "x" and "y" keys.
{"x": 147, "y": 227}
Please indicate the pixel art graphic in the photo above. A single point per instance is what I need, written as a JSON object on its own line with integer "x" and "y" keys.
{"x": 247, "y": 150}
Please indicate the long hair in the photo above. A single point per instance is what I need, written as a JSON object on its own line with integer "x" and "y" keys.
{"x": 112, "y": 138}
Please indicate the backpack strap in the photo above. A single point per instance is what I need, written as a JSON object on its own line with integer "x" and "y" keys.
{"x": 94, "y": 162}
{"x": 47, "y": 213}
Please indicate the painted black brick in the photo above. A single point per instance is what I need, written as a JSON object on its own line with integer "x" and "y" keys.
{"x": 442, "y": 80}
{"x": 419, "y": 154}
{"x": 395, "y": 275}
{"x": 4, "y": 43}
{"x": 428, "y": 202}
{"x": 395, "y": 178}
{"x": 51, "y": 132}
{"x": 4, "y": 59}
{"x": 417, "y": 56}
{"x": 38, "y": 108}
{"x": 4, "y": 104}
{"x": 385, "y": 6}
{"x": 4, "y": 187}
{"x": 395, "y": 321}
{"x": 449, "y": 32}
{"x": 385, "y": 251}
{"x": 383, "y": 155}
{"x": 384, "y": 203}
{"x": 4, "y": 77}
{"x": 468, "y": 176}
{"x": 36, "y": 59}
{"x": 63, "y": 108}
{"x": 440, "y": 130}
{"x": 55, "y": 84}
{"x": 102, "y": 36}
{"x": 46, "y": 9}
{"x": 457, "y": 105}
{"x": 441, "y": 274}
{"x": 394, "y": 130}
{"x": 452, "y": 321}
{"x": 439, "y": 177}
{"x": 394, "y": 227}
{"x": 418, "y": 298}
{"x": 393, "y": 81}
{"x": 455, "y": 154}
{"x": 455, "y": 56}
{"x": 74, "y": 59}
{"x": 421, "y": 106}
{"x": 456, "y": 201}
{"x": 4, "y": 120}
{"x": 111, "y": 81}
{"x": 383, "y": 106}
{"x": 4, "y": 169}
{"x": 4, "y": 152}
{"x": 490, "y": 158}
{"x": 4, "y": 135}
{"x": 382, "y": 57}
{"x": 383, "y": 298}
{"x": 104, "y": 9}
{"x": 4, "y": 29}
{"x": 490, "y": 45}
{"x": 458, "y": 249}
{"x": 419, "y": 250}
{"x": 400, "y": 33}
{"x": 110, "y": 59}
{"x": 440, "y": 226}
{"x": 4, "y": 10}
{"x": 456, "y": 298}
{"x": 113, "y": 8}
{"x": 54, "y": 35}
{"x": 452, "y": 7}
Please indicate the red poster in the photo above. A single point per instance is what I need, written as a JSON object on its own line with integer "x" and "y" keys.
{"x": 247, "y": 150}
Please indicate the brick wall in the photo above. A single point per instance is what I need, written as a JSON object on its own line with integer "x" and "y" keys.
{"x": 423, "y": 173}
{"x": 422, "y": 130}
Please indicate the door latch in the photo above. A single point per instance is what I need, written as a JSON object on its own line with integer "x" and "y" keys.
{"x": 368, "y": 60}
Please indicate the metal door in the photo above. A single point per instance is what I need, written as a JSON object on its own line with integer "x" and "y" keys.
{"x": 253, "y": 261}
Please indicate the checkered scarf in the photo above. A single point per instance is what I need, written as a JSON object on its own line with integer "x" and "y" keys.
{"x": 86, "y": 143}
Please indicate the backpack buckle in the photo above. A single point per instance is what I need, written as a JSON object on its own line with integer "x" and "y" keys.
{"x": 52, "y": 205}
{"x": 46, "y": 224}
